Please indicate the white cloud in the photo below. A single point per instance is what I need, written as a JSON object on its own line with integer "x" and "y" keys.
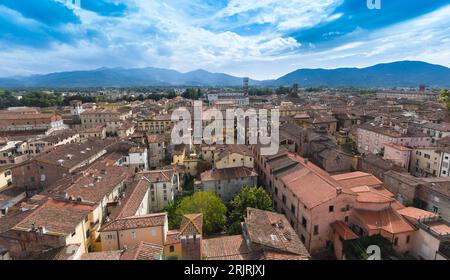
{"x": 284, "y": 15}
{"x": 155, "y": 33}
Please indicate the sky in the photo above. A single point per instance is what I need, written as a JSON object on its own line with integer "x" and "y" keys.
{"x": 262, "y": 39}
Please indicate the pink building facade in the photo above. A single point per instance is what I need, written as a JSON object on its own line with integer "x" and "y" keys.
{"x": 400, "y": 155}
{"x": 374, "y": 139}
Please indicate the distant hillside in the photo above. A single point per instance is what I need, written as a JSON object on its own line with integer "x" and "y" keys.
{"x": 396, "y": 74}
{"x": 121, "y": 77}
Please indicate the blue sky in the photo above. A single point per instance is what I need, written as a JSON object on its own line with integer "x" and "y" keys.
{"x": 262, "y": 39}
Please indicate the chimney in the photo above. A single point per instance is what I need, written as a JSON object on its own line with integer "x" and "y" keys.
{"x": 338, "y": 190}
{"x": 306, "y": 160}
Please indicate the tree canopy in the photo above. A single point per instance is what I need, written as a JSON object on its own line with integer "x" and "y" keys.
{"x": 254, "y": 197}
{"x": 444, "y": 96}
{"x": 192, "y": 93}
{"x": 7, "y": 99}
{"x": 207, "y": 203}
{"x": 42, "y": 99}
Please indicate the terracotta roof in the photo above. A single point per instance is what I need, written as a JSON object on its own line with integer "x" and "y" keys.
{"x": 227, "y": 173}
{"x": 191, "y": 224}
{"x": 343, "y": 230}
{"x": 156, "y": 138}
{"x": 31, "y": 117}
{"x": 416, "y": 213}
{"x": 144, "y": 252}
{"x": 226, "y": 150}
{"x": 440, "y": 185}
{"x": 388, "y": 220}
{"x": 371, "y": 196}
{"x": 97, "y": 182}
{"x": 129, "y": 205}
{"x": 398, "y": 147}
{"x": 58, "y": 136}
{"x": 356, "y": 179}
{"x": 92, "y": 129}
{"x": 172, "y": 237}
{"x": 102, "y": 256}
{"x": 384, "y": 130}
{"x": 445, "y": 127}
{"x": 72, "y": 155}
{"x": 162, "y": 175}
{"x": 439, "y": 227}
{"x": 103, "y": 111}
{"x": 57, "y": 218}
{"x": 16, "y": 215}
{"x": 136, "y": 150}
{"x": 144, "y": 221}
{"x": 312, "y": 185}
{"x": 226, "y": 248}
{"x": 270, "y": 255}
{"x": 273, "y": 231}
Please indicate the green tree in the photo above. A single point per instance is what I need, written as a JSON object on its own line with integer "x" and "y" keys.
{"x": 42, "y": 99}
{"x": 171, "y": 208}
{"x": 207, "y": 203}
{"x": 254, "y": 197}
{"x": 444, "y": 96}
{"x": 7, "y": 99}
{"x": 192, "y": 93}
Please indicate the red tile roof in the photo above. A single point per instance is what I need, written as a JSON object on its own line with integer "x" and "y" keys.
{"x": 129, "y": 205}
{"x": 272, "y": 231}
{"x": 144, "y": 221}
{"x": 102, "y": 256}
{"x": 226, "y": 248}
{"x": 172, "y": 237}
{"x": 144, "y": 252}
{"x": 387, "y": 220}
{"x": 310, "y": 184}
{"x": 98, "y": 181}
{"x": 57, "y": 218}
{"x": 227, "y": 173}
{"x": 416, "y": 213}
{"x": 343, "y": 230}
{"x": 356, "y": 179}
{"x": 191, "y": 224}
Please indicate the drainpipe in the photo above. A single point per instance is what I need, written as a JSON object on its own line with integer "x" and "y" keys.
{"x": 118, "y": 241}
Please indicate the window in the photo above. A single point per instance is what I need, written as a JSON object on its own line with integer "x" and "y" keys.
{"x": 304, "y": 222}
{"x": 293, "y": 209}
{"x": 172, "y": 248}
{"x": 396, "y": 241}
{"x": 435, "y": 209}
{"x": 316, "y": 230}
{"x": 346, "y": 219}
{"x": 284, "y": 199}
{"x": 331, "y": 209}
{"x": 408, "y": 238}
{"x": 133, "y": 235}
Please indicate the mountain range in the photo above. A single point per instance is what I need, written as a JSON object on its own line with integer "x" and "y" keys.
{"x": 395, "y": 74}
